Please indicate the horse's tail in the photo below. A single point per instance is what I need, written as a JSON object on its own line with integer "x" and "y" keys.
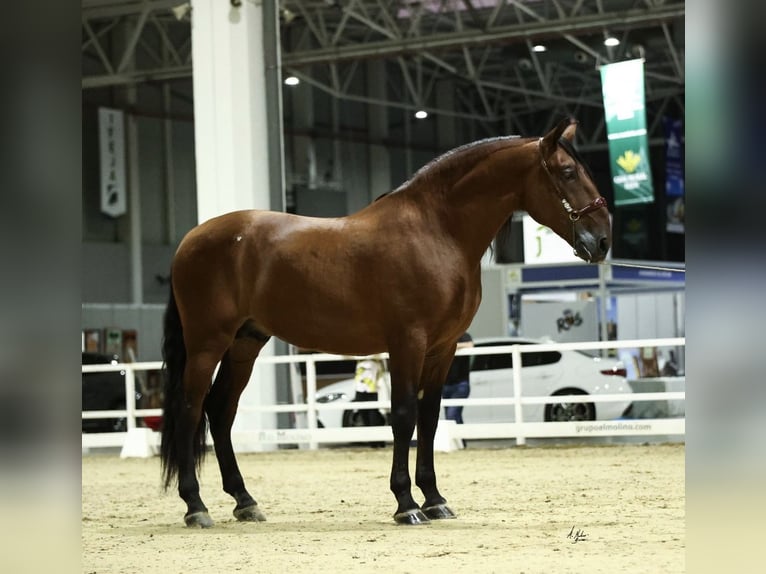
{"x": 174, "y": 358}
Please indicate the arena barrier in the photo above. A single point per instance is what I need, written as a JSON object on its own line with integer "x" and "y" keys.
{"x": 140, "y": 441}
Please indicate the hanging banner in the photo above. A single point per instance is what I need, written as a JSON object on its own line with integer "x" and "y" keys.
{"x": 675, "y": 196}
{"x": 112, "y": 143}
{"x": 623, "y": 90}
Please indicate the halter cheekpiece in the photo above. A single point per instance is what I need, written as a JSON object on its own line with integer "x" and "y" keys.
{"x": 574, "y": 214}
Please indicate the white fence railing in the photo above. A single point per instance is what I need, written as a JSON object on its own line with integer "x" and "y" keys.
{"x": 312, "y": 436}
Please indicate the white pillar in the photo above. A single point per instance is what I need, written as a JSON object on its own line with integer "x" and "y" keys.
{"x": 230, "y": 121}
{"x": 232, "y": 145}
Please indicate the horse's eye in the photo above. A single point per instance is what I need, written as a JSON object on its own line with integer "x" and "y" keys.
{"x": 569, "y": 173}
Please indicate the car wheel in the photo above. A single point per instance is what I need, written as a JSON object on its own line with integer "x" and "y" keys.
{"x": 352, "y": 419}
{"x": 117, "y": 425}
{"x": 564, "y": 412}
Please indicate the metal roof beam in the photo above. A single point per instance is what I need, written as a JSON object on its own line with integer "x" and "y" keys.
{"x": 136, "y": 77}
{"x": 400, "y": 46}
{"x": 94, "y": 10}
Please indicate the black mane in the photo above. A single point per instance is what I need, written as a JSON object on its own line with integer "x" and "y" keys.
{"x": 436, "y": 167}
{"x": 575, "y": 155}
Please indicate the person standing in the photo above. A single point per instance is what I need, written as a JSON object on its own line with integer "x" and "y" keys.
{"x": 370, "y": 373}
{"x": 457, "y": 384}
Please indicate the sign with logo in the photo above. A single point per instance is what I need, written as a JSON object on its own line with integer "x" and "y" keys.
{"x": 542, "y": 245}
{"x": 112, "y": 143}
{"x": 561, "y": 321}
{"x": 623, "y": 91}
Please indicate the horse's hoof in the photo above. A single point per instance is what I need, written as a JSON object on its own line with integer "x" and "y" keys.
{"x": 439, "y": 512}
{"x": 249, "y": 514}
{"x": 413, "y": 517}
{"x": 198, "y": 520}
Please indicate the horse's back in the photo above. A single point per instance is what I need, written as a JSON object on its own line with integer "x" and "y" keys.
{"x": 346, "y": 285}
{"x": 289, "y": 275}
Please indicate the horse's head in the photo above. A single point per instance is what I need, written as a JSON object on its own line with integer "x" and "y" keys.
{"x": 570, "y": 203}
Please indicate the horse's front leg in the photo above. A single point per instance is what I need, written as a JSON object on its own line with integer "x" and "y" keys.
{"x": 429, "y": 402}
{"x": 404, "y": 405}
{"x": 403, "y": 416}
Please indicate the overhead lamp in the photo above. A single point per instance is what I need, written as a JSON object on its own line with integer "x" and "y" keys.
{"x": 539, "y": 48}
{"x": 182, "y": 11}
{"x": 611, "y": 41}
{"x": 292, "y": 81}
{"x": 288, "y": 16}
{"x": 421, "y": 114}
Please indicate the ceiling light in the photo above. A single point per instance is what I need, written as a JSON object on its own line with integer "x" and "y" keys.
{"x": 611, "y": 41}
{"x": 539, "y": 48}
{"x": 421, "y": 114}
{"x": 292, "y": 81}
{"x": 181, "y": 11}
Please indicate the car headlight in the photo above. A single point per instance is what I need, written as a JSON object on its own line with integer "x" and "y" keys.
{"x": 331, "y": 397}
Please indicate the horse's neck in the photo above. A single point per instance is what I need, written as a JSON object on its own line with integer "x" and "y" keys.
{"x": 483, "y": 198}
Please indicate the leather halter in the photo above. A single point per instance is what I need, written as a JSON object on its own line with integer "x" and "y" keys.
{"x": 574, "y": 214}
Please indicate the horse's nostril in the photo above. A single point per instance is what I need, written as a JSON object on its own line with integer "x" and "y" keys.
{"x": 603, "y": 245}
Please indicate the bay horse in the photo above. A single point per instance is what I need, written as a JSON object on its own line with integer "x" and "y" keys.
{"x": 402, "y": 275}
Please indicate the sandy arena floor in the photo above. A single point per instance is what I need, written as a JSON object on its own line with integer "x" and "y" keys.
{"x": 519, "y": 510}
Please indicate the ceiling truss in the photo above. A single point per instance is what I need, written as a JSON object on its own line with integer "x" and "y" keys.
{"x": 485, "y": 48}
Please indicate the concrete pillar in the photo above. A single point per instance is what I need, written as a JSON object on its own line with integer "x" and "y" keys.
{"x": 446, "y": 133}
{"x": 304, "y": 153}
{"x": 377, "y": 122}
{"x": 234, "y": 144}
{"x": 128, "y": 97}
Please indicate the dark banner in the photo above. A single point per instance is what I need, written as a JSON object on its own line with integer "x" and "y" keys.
{"x": 675, "y": 195}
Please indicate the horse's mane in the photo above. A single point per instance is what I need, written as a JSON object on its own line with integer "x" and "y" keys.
{"x": 575, "y": 155}
{"x": 439, "y": 169}
{"x": 464, "y": 156}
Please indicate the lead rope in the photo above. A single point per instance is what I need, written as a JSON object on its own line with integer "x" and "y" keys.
{"x": 637, "y": 266}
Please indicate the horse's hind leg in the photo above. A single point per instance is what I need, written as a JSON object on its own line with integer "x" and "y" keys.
{"x": 190, "y": 435}
{"x": 221, "y": 408}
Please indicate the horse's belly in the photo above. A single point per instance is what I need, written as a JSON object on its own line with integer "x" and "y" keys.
{"x": 329, "y": 326}
{"x": 332, "y": 336}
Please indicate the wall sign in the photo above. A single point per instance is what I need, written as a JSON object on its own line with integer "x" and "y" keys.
{"x": 112, "y": 143}
{"x": 542, "y": 245}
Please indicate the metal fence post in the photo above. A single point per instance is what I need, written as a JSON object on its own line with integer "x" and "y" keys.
{"x": 130, "y": 396}
{"x": 311, "y": 391}
{"x": 518, "y": 418}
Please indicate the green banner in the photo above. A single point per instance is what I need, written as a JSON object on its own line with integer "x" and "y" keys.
{"x": 623, "y": 89}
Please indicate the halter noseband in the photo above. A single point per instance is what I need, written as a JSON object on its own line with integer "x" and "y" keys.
{"x": 574, "y": 214}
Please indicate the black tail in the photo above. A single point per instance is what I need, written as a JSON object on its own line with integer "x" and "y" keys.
{"x": 174, "y": 357}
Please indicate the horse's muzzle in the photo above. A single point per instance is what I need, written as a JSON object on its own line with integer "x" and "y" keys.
{"x": 591, "y": 249}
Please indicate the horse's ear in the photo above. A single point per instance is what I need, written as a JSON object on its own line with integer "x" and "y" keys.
{"x": 565, "y": 128}
{"x": 569, "y": 131}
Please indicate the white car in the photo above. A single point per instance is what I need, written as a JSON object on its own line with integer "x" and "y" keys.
{"x": 544, "y": 373}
